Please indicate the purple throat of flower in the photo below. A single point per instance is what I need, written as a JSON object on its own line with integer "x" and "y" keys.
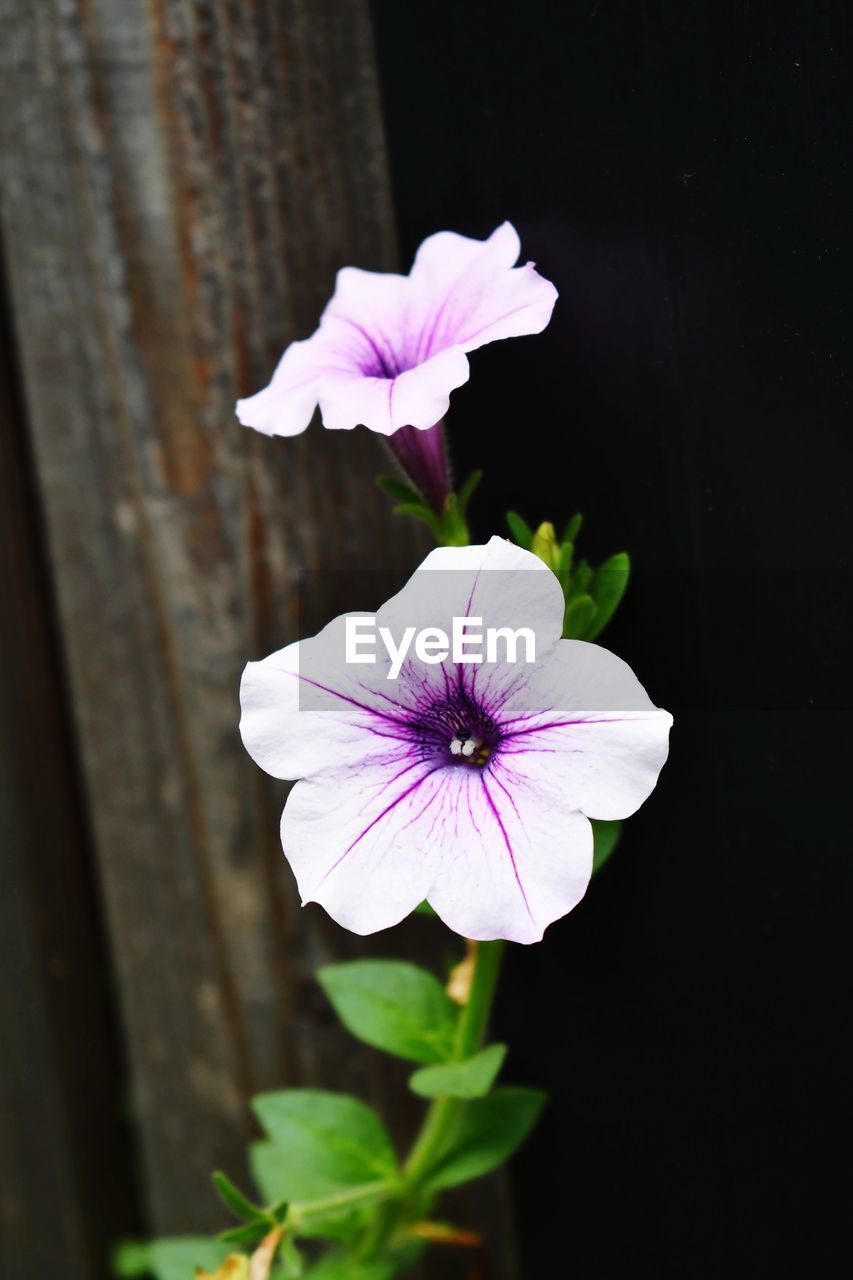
{"x": 423, "y": 458}
{"x": 422, "y": 454}
{"x": 455, "y": 730}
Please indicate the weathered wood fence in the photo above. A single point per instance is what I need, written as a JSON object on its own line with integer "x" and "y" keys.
{"x": 180, "y": 181}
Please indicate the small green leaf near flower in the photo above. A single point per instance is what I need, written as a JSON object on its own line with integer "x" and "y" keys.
{"x": 472, "y": 1078}
{"x": 394, "y": 1006}
{"x": 490, "y": 1130}
{"x": 327, "y": 1141}
{"x": 398, "y": 489}
{"x": 173, "y": 1258}
{"x": 234, "y": 1199}
{"x": 580, "y": 616}
{"x": 520, "y": 530}
{"x": 606, "y": 837}
{"x": 608, "y": 588}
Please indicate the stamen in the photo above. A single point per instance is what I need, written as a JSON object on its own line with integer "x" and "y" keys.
{"x": 468, "y": 748}
{"x": 458, "y": 728}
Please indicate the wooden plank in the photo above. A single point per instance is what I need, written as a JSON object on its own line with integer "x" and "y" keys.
{"x": 180, "y": 181}
{"x": 65, "y": 1174}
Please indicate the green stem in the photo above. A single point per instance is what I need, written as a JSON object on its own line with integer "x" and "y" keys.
{"x": 298, "y": 1213}
{"x": 444, "y": 1113}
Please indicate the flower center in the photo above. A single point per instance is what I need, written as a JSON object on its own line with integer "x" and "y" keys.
{"x": 456, "y": 729}
{"x": 469, "y": 748}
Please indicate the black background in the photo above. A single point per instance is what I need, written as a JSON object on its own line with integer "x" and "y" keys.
{"x": 682, "y": 173}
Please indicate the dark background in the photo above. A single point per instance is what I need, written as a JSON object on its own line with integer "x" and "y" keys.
{"x": 179, "y": 183}
{"x": 682, "y": 174}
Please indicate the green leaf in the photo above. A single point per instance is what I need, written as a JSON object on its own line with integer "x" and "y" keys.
{"x": 563, "y": 565}
{"x": 424, "y": 909}
{"x": 472, "y": 1078}
{"x": 566, "y": 556}
{"x": 399, "y": 490}
{"x": 340, "y": 1266}
{"x": 234, "y": 1199}
{"x": 132, "y": 1258}
{"x": 420, "y": 512}
{"x": 170, "y": 1259}
{"x": 573, "y": 528}
{"x": 272, "y": 1168}
{"x": 580, "y": 614}
{"x": 490, "y": 1130}
{"x": 608, "y": 588}
{"x": 250, "y": 1234}
{"x": 323, "y": 1143}
{"x": 467, "y": 490}
{"x": 393, "y": 1006}
{"x": 606, "y": 836}
{"x": 454, "y": 531}
{"x": 520, "y": 529}
{"x": 292, "y": 1262}
{"x": 581, "y": 580}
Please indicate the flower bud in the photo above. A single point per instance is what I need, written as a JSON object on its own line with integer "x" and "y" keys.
{"x": 545, "y": 545}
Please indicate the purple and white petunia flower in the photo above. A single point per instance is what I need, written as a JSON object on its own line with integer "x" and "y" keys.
{"x": 466, "y": 783}
{"x": 390, "y": 348}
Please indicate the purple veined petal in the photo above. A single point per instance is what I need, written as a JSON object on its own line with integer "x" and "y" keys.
{"x": 451, "y": 273}
{"x": 418, "y": 397}
{"x": 446, "y": 257}
{"x": 390, "y": 349}
{"x": 498, "y": 581}
{"x": 368, "y": 310}
{"x": 286, "y": 406}
{"x": 471, "y": 786}
{"x": 304, "y": 709}
{"x": 606, "y": 768}
{"x": 473, "y": 293}
{"x": 583, "y": 677}
{"x": 602, "y": 743}
{"x": 364, "y": 841}
{"x": 518, "y": 304}
{"x": 517, "y": 861}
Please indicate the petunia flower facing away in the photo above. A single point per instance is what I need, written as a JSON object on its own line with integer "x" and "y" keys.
{"x": 390, "y": 348}
{"x": 468, "y": 784}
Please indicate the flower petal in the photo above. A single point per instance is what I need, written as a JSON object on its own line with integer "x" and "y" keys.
{"x": 286, "y": 406}
{"x": 445, "y": 256}
{"x": 390, "y": 348}
{"x": 603, "y": 744}
{"x": 519, "y": 860}
{"x": 387, "y": 815}
{"x": 368, "y": 312}
{"x": 361, "y": 840}
{"x": 469, "y": 292}
{"x": 304, "y": 709}
{"x": 417, "y": 398}
{"x": 498, "y": 582}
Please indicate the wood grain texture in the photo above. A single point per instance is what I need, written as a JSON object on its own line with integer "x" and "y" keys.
{"x": 181, "y": 181}
{"x": 65, "y": 1173}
